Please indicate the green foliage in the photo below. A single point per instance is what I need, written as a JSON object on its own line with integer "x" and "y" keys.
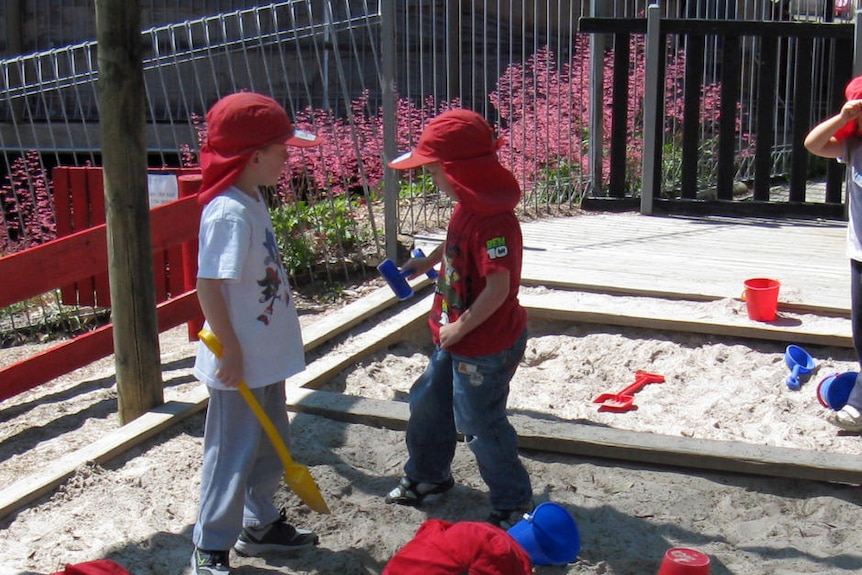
{"x": 560, "y": 184}
{"x": 310, "y": 232}
{"x": 42, "y": 318}
{"x": 416, "y": 186}
{"x": 290, "y": 230}
{"x": 817, "y": 166}
{"x": 671, "y": 170}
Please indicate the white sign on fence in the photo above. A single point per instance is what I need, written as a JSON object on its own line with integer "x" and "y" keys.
{"x": 162, "y": 189}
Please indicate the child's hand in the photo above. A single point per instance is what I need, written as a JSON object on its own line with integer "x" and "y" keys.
{"x": 230, "y": 368}
{"x": 416, "y": 267}
{"x": 851, "y": 110}
{"x": 450, "y": 334}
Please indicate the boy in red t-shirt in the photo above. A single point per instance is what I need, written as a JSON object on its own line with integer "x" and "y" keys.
{"x": 477, "y": 323}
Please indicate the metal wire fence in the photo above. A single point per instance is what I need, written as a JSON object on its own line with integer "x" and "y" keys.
{"x": 522, "y": 63}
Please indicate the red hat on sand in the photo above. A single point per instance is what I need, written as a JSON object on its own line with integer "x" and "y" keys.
{"x": 97, "y": 567}
{"x": 237, "y": 125}
{"x": 443, "y": 548}
{"x": 465, "y": 145}
{"x": 853, "y": 91}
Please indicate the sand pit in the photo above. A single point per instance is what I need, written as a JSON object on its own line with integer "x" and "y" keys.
{"x": 139, "y": 508}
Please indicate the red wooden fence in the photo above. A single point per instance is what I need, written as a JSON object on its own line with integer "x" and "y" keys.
{"x": 80, "y": 259}
{"x": 79, "y": 204}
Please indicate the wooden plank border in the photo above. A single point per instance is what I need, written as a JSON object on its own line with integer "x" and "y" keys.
{"x": 44, "y": 481}
{"x": 571, "y": 438}
{"x": 608, "y": 310}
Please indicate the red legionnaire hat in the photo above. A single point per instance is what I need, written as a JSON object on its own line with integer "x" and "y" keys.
{"x": 97, "y": 567}
{"x": 237, "y": 125}
{"x": 465, "y": 146}
{"x": 443, "y": 548}
{"x": 453, "y": 136}
{"x": 853, "y": 91}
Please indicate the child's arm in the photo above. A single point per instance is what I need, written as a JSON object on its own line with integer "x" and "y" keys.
{"x": 419, "y": 266}
{"x": 212, "y": 302}
{"x": 492, "y": 297}
{"x": 821, "y": 140}
{"x": 436, "y": 256}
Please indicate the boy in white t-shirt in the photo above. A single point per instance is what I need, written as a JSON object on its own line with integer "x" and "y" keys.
{"x": 246, "y": 299}
{"x": 840, "y": 137}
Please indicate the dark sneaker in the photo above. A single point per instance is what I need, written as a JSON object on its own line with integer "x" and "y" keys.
{"x": 409, "y": 492}
{"x": 280, "y": 536}
{"x": 506, "y": 518}
{"x": 210, "y": 562}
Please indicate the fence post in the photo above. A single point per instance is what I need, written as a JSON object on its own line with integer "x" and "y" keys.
{"x": 597, "y": 62}
{"x": 190, "y": 185}
{"x": 857, "y": 45}
{"x": 651, "y": 99}
{"x": 390, "y": 144}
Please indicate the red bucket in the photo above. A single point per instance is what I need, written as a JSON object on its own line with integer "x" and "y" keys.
{"x": 761, "y": 298}
{"x": 683, "y": 561}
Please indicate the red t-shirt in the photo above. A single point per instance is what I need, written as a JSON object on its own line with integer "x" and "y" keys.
{"x": 478, "y": 245}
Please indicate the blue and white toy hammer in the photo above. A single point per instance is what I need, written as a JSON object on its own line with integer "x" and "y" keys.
{"x": 397, "y": 278}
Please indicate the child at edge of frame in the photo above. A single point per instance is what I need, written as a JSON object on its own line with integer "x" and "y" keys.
{"x": 247, "y": 303}
{"x": 478, "y": 326}
{"x": 840, "y": 137}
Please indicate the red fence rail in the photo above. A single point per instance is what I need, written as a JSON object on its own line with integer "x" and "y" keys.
{"x": 80, "y": 259}
{"x": 79, "y": 204}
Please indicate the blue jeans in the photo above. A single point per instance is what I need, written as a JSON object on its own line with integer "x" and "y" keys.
{"x": 855, "y": 398}
{"x": 468, "y": 395}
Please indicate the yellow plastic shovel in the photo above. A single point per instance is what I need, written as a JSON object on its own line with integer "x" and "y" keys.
{"x": 297, "y": 476}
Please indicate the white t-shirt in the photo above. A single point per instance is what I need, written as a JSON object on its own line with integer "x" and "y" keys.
{"x": 237, "y": 244}
{"x": 853, "y": 189}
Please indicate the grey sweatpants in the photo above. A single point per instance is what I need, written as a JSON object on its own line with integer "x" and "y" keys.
{"x": 241, "y": 469}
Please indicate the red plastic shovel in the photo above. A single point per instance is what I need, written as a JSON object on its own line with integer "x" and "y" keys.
{"x": 625, "y": 400}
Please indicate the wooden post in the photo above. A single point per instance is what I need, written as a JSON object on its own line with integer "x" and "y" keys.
{"x": 14, "y": 47}
{"x": 124, "y": 160}
{"x": 597, "y": 112}
{"x": 190, "y": 185}
{"x": 454, "y": 63}
{"x": 857, "y": 45}
{"x": 651, "y": 99}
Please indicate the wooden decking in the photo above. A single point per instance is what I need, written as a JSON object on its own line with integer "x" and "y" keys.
{"x": 695, "y": 259}
{"x": 707, "y": 258}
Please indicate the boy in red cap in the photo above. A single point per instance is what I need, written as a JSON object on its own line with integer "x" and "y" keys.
{"x": 477, "y": 323}
{"x": 841, "y": 137}
{"x": 247, "y": 302}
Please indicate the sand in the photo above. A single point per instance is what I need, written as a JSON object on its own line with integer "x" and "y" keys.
{"x": 139, "y": 509}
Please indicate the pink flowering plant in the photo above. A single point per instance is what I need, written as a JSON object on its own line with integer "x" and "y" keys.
{"x": 26, "y": 206}
{"x": 329, "y": 194}
{"x": 544, "y": 116}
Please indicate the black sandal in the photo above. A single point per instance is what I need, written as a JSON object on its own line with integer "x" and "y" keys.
{"x": 409, "y": 492}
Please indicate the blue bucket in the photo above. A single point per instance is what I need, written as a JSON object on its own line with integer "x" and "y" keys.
{"x": 834, "y": 390}
{"x": 549, "y": 535}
